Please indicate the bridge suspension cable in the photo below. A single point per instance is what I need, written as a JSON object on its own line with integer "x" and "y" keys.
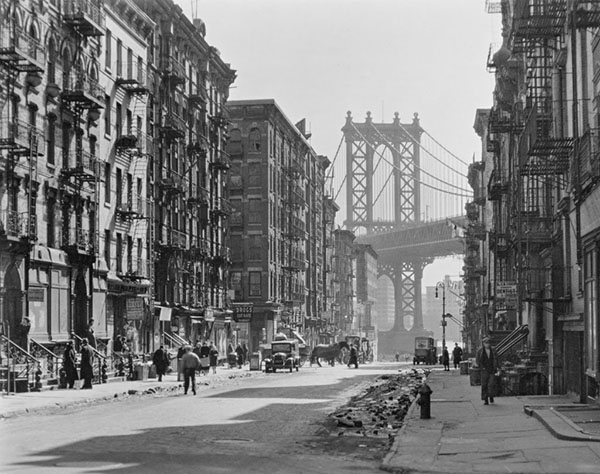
{"x": 465, "y": 192}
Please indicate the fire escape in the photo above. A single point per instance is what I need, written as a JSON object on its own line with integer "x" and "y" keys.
{"x": 294, "y": 235}
{"x": 134, "y": 146}
{"x": 21, "y": 141}
{"x": 81, "y": 93}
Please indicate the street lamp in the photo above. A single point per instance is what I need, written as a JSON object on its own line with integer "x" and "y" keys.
{"x": 442, "y": 285}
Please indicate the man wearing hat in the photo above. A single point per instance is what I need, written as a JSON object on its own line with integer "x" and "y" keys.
{"x": 487, "y": 361}
{"x": 87, "y": 364}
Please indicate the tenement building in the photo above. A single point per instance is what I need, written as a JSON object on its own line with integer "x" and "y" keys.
{"x": 276, "y": 186}
{"x": 536, "y": 294}
{"x": 112, "y": 193}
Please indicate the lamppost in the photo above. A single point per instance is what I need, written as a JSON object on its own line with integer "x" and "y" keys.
{"x": 442, "y": 285}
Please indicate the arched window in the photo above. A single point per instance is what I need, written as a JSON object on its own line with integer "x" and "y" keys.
{"x": 51, "y": 65}
{"x": 254, "y": 140}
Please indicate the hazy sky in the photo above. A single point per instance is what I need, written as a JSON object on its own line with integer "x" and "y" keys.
{"x": 321, "y": 58}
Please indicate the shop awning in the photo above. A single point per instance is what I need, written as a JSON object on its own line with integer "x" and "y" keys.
{"x": 41, "y": 253}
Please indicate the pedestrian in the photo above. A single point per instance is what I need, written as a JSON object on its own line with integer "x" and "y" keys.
{"x": 161, "y": 361}
{"x": 190, "y": 362}
{"x": 196, "y": 350}
{"x": 456, "y": 355}
{"x": 180, "y": 354}
{"x": 397, "y": 357}
{"x": 118, "y": 345}
{"x": 353, "y": 357}
{"x": 70, "y": 365}
{"x": 87, "y": 364}
{"x": 240, "y": 356}
{"x": 446, "y": 358}
{"x": 91, "y": 337}
{"x": 246, "y": 351}
{"x": 213, "y": 358}
{"x": 487, "y": 361}
{"x": 23, "y": 334}
{"x": 204, "y": 357}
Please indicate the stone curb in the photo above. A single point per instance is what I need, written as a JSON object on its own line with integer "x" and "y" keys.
{"x": 559, "y": 425}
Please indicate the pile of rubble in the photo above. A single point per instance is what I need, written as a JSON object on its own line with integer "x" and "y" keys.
{"x": 379, "y": 410}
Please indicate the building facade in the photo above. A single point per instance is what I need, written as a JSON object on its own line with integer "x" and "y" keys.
{"x": 541, "y": 179}
{"x": 113, "y": 197}
{"x": 276, "y": 189}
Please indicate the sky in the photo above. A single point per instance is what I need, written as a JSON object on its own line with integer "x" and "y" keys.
{"x": 321, "y": 58}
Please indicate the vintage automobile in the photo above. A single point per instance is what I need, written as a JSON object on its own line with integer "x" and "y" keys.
{"x": 425, "y": 351}
{"x": 284, "y": 354}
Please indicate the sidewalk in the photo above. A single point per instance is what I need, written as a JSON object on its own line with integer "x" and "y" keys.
{"x": 44, "y": 401}
{"x": 463, "y": 435}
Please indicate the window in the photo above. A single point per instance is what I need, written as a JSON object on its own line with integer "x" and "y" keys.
{"x": 107, "y": 111}
{"x": 119, "y": 253}
{"x": 51, "y": 66}
{"x": 66, "y": 139}
{"x": 236, "y": 285}
{"x": 255, "y": 283}
{"x": 51, "y": 140}
{"x": 254, "y": 176}
{"x": 254, "y": 206}
{"x": 119, "y": 119}
{"x": 51, "y": 229}
{"x": 107, "y": 238}
{"x": 107, "y": 188}
{"x": 130, "y": 64}
{"x": 119, "y": 58}
{"x": 108, "y": 49}
{"x": 119, "y": 187}
{"x": 254, "y": 140}
{"x": 255, "y": 248}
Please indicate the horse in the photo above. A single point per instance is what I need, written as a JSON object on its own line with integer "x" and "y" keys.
{"x": 329, "y": 352}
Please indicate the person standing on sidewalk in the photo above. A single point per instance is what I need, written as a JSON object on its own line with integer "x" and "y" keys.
{"x": 456, "y": 355}
{"x": 87, "y": 364}
{"x": 487, "y": 361}
{"x": 446, "y": 359}
{"x": 161, "y": 361}
{"x": 70, "y": 365}
{"x": 190, "y": 362}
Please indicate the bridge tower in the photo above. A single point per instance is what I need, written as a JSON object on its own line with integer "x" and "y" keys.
{"x": 363, "y": 142}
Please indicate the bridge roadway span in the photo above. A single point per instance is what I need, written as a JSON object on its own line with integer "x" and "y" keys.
{"x": 422, "y": 240}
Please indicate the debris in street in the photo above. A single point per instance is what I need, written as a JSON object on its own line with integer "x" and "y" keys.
{"x": 379, "y": 410}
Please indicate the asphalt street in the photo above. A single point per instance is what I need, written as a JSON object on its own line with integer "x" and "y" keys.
{"x": 272, "y": 424}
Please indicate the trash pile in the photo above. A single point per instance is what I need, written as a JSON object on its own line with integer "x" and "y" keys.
{"x": 379, "y": 410}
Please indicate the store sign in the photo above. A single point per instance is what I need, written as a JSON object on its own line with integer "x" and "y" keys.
{"x": 506, "y": 294}
{"x": 242, "y": 312}
{"x": 35, "y": 294}
{"x": 135, "y": 309}
{"x": 209, "y": 314}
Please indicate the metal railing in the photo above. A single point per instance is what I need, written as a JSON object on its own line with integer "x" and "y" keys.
{"x": 98, "y": 362}
{"x": 18, "y": 224}
{"x": 82, "y": 240}
{"x": 20, "y": 41}
{"x": 76, "y": 8}
{"x": 21, "y": 134}
{"x": 80, "y": 82}
{"x": 20, "y": 364}
{"x": 50, "y": 362}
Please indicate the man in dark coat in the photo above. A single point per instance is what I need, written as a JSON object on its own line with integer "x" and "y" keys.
{"x": 456, "y": 355}
{"x": 487, "y": 361}
{"x": 87, "y": 364}
{"x": 70, "y": 365}
{"x": 445, "y": 358}
{"x": 353, "y": 357}
{"x": 214, "y": 358}
{"x": 161, "y": 362}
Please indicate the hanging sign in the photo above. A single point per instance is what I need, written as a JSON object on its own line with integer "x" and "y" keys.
{"x": 242, "y": 312}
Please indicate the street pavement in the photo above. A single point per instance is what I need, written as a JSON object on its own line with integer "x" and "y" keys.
{"x": 513, "y": 435}
{"x": 41, "y": 402}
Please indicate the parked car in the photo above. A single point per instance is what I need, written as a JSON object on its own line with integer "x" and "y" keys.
{"x": 425, "y": 351}
{"x": 284, "y": 355}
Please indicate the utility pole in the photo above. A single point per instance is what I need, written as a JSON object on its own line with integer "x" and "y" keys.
{"x": 442, "y": 285}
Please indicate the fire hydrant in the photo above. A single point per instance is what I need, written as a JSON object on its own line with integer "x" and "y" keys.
{"x": 425, "y": 401}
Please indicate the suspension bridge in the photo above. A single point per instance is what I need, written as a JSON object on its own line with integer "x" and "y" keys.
{"x": 405, "y": 195}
